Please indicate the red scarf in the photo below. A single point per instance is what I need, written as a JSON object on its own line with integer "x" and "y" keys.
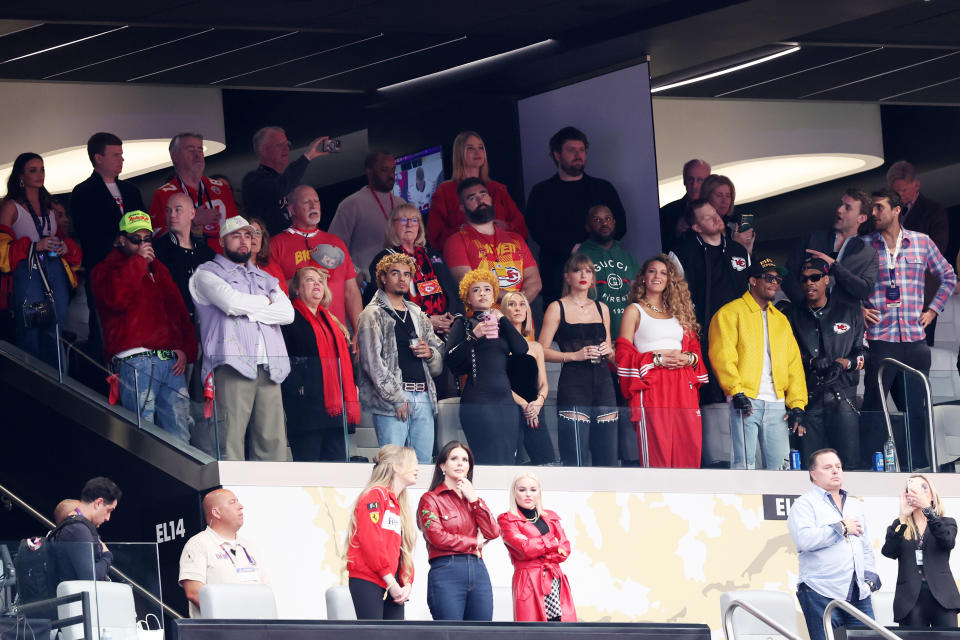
{"x": 332, "y": 348}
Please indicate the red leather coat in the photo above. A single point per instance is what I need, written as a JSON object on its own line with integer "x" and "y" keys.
{"x": 451, "y": 525}
{"x": 536, "y": 562}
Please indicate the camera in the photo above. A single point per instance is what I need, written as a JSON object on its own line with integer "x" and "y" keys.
{"x": 331, "y": 145}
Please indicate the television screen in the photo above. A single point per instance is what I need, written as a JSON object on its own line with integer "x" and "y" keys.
{"x": 418, "y": 176}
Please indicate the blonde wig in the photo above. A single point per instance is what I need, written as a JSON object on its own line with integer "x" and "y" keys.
{"x": 480, "y": 274}
{"x": 676, "y": 296}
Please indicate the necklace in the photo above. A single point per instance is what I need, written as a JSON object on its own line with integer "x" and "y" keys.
{"x": 582, "y": 307}
{"x": 403, "y": 319}
{"x": 532, "y": 520}
{"x": 647, "y": 304}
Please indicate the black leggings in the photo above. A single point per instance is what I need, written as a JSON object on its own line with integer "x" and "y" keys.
{"x": 369, "y": 603}
{"x": 927, "y": 612}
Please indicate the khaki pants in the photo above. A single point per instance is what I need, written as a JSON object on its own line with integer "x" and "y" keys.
{"x": 255, "y": 405}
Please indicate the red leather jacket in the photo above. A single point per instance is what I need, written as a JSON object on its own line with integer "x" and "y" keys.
{"x": 451, "y": 525}
{"x": 536, "y": 561}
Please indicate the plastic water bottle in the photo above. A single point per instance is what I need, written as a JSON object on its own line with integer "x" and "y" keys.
{"x": 889, "y": 456}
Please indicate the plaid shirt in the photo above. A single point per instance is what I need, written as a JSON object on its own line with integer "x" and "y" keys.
{"x": 917, "y": 254}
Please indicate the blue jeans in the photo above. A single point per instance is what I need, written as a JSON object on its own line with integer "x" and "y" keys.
{"x": 766, "y": 423}
{"x": 813, "y": 604}
{"x": 458, "y": 588}
{"x": 416, "y": 431}
{"x": 161, "y": 393}
{"x": 28, "y": 287}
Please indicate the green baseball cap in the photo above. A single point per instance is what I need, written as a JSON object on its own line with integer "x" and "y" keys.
{"x": 133, "y": 221}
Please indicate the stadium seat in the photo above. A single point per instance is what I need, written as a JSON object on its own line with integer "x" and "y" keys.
{"x": 883, "y": 608}
{"x": 946, "y": 421}
{"x": 112, "y": 610}
{"x": 339, "y": 603}
{"x": 237, "y": 602}
{"x": 502, "y": 604}
{"x": 777, "y": 605}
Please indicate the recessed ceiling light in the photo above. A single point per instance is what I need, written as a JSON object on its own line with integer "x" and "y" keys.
{"x": 65, "y": 168}
{"x": 759, "y": 178}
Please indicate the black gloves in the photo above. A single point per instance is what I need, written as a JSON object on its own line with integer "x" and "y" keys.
{"x": 742, "y": 404}
{"x": 821, "y": 363}
{"x": 797, "y": 417}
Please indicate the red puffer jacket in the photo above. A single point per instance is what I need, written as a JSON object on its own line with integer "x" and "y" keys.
{"x": 451, "y": 525}
{"x": 536, "y": 561}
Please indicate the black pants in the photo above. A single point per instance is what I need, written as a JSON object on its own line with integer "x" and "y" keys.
{"x": 927, "y": 612}
{"x": 832, "y": 422}
{"x": 537, "y": 441}
{"x": 369, "y": 603}
{"x": 322, "y": 445}
{"x": 910, "y": 398}
{"x": 587, "y": 415}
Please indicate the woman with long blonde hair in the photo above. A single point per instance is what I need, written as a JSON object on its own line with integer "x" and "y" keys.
{"x": 528, "y": 381}
{"x": 381, "y": 536}
{"x": 447, "y": 215}
{"x": 659, "y": 366}
{"x": 537, "y": 545}
{"x": 920, "y": 540}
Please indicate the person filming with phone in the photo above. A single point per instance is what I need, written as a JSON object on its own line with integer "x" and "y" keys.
{"x": 920, "y": 540}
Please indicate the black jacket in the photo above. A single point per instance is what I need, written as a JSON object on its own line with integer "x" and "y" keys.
{"x": 78, "y": 551}
{"x": 938, "y": 541}
{"x": 670, "y": 215}
{"x": 852, "y": 276}
{"x": 834, "y": 332}
{"x": 96, "y": 216}
{"x": 691, "y": 251}
{"x": 265, "y": 190}
{"x": 447, "y": 283}
{"x": 302, "y": 389}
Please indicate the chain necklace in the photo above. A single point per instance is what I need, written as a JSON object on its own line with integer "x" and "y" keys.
{"x": 652, "y": 307}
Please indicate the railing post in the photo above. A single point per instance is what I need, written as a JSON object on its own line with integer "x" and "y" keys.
{"x": 886, "y": 415}
{"x": 856, "y": 613}
{"x": 729, "y": 633}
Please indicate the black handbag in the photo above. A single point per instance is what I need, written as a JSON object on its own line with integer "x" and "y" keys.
{"x": 41, "y": 314}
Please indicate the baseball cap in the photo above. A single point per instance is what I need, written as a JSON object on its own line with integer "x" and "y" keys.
{"x": 817, "y": 264}
{"x": 235, "y": 224}
{"x": 759, "y": 267}
{"x": 133, "y": 221}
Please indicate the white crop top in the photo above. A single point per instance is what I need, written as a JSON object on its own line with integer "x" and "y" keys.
{"x": 656, "y": 334}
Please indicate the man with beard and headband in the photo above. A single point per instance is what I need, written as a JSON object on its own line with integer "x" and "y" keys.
{"x": 556, "y": 207}
{"x": 481, "y": 241}
{"x": 305, "y": 244}
{"x": 361, "y": 218}
{"x": 240, "y": 308}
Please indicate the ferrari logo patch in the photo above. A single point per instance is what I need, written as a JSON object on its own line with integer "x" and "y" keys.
{"x": 375, "y": 517}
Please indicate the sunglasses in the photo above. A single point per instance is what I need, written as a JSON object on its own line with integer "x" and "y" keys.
{"x": 137, "y": 240}
{"x": 769, "y": 277}
{"x": 812, "y": 278}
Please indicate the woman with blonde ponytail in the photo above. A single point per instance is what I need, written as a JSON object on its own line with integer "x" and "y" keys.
{"x": 381, "y": 537}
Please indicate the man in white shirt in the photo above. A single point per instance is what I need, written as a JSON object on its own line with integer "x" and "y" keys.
{"x": 836, "y": 559}
{"x": 361, "y": 218}
{"x": 217, "y": 555}
{"x": 240, "y": 309}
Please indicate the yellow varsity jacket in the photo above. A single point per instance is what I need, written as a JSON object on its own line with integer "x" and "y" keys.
{"x": 736, "y": 351}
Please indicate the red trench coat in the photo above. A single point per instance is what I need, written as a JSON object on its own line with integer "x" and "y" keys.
{"x": 536, "y": 562}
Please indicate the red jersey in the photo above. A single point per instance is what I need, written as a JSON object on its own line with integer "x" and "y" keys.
{"x": 213, "y": 193}
{"x": 374, "y": 549}
{"x": 505, "y": 252}
{"x": 291, "y": 248}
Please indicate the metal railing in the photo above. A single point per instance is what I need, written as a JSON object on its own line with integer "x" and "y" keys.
{"x": 886, "y": 414}
{"x": 856, "y": 613}
{"x": 729, "y": 633}
{"x": 117, "y": 573}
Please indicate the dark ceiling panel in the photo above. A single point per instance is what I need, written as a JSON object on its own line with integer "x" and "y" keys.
{"x": 934, "y": 23}
{"x": 944, "y": 66}
{"x": 60, "y": 64}
{"x": 944, "y": 92}
{"x": 42, "y": 37}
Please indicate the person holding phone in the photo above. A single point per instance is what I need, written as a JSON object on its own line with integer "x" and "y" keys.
{"x": 479, "y": 347}
{"x": 920, "y": 540}
{"x": 457, "y": 524}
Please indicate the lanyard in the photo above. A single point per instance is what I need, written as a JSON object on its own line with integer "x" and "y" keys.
{"x": 42, "y": 223}
{"x": 201, "y": 191}
{"x": 230, "y": 553}
{"x": 377, "y": 198}
{"x": 892, "y": 256}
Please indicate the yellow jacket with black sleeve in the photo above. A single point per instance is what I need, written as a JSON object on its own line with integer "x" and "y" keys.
{"x": 736, "y": 351}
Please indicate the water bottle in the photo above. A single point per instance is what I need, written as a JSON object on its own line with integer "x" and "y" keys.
{"x": 889, "y": 456}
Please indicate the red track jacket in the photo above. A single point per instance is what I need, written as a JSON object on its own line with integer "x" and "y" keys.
{"x": 375, "y": 546}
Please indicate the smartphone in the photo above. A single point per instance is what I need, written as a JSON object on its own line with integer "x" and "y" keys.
{"x": 746, "y": 222}
{"x": 331, "y": 145}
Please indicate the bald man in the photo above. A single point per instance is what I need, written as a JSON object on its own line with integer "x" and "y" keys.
{"x": 64, "y": 509}
{"x": 217, "y": 555}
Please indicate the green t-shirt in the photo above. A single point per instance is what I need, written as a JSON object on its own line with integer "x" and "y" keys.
{"x": 615, "y": 271}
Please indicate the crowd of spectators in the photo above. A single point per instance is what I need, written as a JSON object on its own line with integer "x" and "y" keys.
{"x": 296, "y": 332}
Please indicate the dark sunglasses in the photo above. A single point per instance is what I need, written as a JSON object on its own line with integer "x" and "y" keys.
{"x": 137, "y": 240}
{"x": 769, "y": 277}
{"x": 812, "y": 278}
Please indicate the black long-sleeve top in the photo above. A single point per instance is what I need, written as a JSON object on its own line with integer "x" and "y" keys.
{"x": 484, "y": 360}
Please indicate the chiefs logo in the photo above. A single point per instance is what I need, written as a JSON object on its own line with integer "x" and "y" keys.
{"x": 508, "y": 277}
{"x": 841, "y": 327}
{"x": 738, "y": 263}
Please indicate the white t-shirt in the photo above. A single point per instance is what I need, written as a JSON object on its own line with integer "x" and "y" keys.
{"x": 767, "y": 392}
{"x": 210, "y": 559}
{"x": 115, "y": 192}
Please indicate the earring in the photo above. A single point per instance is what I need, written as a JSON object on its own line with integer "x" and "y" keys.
{"x": 21, "y": 183}
{"x": 443, "y": 472}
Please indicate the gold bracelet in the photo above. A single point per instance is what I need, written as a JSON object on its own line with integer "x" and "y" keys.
{"x": 563, "y": 355}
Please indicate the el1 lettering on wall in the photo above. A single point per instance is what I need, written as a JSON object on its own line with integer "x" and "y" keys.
{"x": 169, "y": 531}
